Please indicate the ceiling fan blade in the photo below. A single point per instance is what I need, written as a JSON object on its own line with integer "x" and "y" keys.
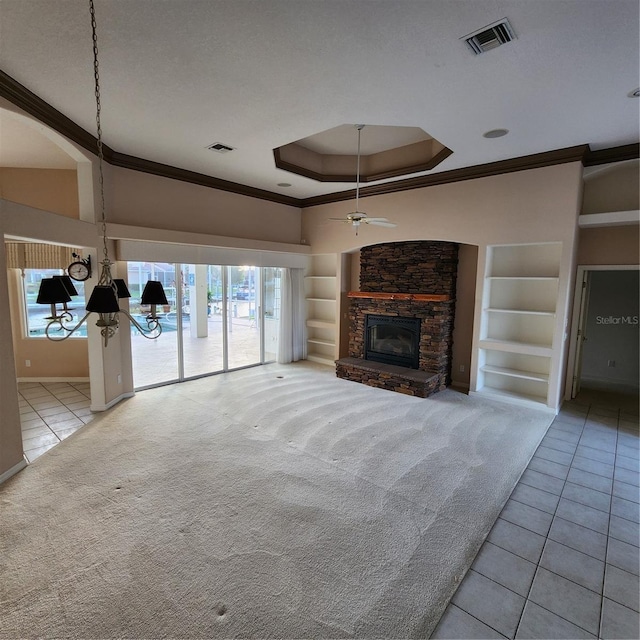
{"x": 340, "y": 219}
{"x": 377, "y": 220}
{"x": 380, "y": 224}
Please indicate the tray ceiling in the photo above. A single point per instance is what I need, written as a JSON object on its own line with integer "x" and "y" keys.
{"x": 178, "y": 76}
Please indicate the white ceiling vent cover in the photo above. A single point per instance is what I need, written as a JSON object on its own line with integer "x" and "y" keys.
{"x": 490, "y": 37}
{"x": 220, "y": 148}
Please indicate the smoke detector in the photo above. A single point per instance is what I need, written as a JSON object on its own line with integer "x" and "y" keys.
{"x": 218, "y": 147}
{"x": 490, "y": 37}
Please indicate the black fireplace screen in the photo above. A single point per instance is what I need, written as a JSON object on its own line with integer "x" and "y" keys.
{"x": 393, "y": 340}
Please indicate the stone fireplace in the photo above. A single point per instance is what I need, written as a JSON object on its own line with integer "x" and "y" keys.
{"x": 401, "y": 320}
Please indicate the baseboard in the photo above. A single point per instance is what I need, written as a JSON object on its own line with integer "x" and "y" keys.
{"x": 460, "y": 386}
{"x": 602, "y": 384}
{"x": 12, "y": 472}
{"x": 103, "y": 407}
{"x": 65, "y": 379}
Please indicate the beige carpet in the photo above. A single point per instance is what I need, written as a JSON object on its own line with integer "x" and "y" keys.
{"x": 274, "y": 502}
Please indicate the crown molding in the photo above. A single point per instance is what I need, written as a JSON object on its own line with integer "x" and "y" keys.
{"x": 535, "y": 161}
{"x": 166, "y": 171}
{"x": 614, "y": 154}
{"x": 35, "y": 106}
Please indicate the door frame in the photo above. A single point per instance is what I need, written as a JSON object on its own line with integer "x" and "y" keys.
{"x": 578, "y": 321}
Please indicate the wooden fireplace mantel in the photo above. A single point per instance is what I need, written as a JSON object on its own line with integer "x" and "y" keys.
{"x": 418, "y": 297}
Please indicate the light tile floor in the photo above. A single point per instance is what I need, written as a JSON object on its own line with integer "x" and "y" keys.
{"x": 562, "y": 559}
{"x": 50, "y": 412}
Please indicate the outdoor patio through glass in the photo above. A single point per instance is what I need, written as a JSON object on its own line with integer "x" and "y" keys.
{"x": 218, "y": 318}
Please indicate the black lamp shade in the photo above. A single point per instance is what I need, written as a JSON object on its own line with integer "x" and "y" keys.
{"x": 153, "y": 293}
{"x": 122, "y": 290}
{"x": 68, "y": 285}
{"x": 52, "y": 290}
{"x": 103, "y": 300}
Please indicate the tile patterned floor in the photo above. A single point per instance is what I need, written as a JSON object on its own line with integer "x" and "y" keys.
{"x": 50, "y": 412}
{"x": 562, "y": 560}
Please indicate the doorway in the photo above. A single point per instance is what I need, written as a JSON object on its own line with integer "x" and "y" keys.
{"x": 218, "y": 318}
{"x": 605, "y": 336}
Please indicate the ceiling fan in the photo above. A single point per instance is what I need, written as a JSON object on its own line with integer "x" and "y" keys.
{"x": 356, "y": 218}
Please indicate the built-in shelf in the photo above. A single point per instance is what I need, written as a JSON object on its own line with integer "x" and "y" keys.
{"x": 321, "y": 294}
{"x": 314, "y": 357}
{"x": 326, "y": 343}
{"x": 545, "y": 278}
{"x": 515, "y": 373}
{"x": 320, "y": 324}
{"x": 609, "y": 219}
{"x": 520, "y": 398}
{"x": 511, "y": 346}
{"x": 529, "y": 312}
{"x": 519, "y": 326}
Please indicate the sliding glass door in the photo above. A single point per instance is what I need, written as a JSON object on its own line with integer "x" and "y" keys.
{"x": 202, "y": 320}
{"x": 219, "y": 318}
{"x": 243, "y": 326}
{"x": 154, "y": 361}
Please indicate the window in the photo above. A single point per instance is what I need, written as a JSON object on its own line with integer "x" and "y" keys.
{"x": 36, "y": 314}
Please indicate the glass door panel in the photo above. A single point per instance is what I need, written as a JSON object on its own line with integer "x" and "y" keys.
{"x": 154, "y": 361}
{"x": 242, "y": 302}
{"x": 202, "y": 335}
{"x": 271, "y": 279}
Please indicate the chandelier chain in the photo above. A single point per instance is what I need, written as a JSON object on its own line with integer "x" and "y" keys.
{"x": 102, "y": 301}
{"x": 96, "y": 75}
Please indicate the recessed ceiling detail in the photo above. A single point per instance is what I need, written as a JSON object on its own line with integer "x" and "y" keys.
{"x": 387, "y": 152}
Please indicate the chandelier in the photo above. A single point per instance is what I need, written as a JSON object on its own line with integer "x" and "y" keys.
{"x": 105, "y": 295}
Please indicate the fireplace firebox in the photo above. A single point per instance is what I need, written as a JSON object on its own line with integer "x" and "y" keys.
{"x": 393, "y": 340}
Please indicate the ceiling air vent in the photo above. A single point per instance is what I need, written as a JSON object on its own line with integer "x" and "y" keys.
{"x": 490, "y": 37}
{"x": 220, "y": 148}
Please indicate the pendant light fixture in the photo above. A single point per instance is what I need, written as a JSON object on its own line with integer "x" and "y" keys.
{"x": 104, "y": 297}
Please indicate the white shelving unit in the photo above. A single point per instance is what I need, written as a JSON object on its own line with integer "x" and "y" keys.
{"x": 322, "y": 307}
{"x": 520, "y": 298}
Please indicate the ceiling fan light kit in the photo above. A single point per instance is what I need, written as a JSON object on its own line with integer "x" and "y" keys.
{"x": 357, "y": 217}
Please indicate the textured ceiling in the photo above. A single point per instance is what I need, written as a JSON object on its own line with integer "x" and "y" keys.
{"x": 179, "y": 75}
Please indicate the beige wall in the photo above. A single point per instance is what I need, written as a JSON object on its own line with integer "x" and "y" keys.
{"x": 463, "y": 323}
{"x": 538, "y": 205}
{"x": 613, "y": 187}
{"x": 141, "y": 199}
{"x": 54, "y": 190}
{"x": 609, "y": 245}
{"x": 68, "y": 359}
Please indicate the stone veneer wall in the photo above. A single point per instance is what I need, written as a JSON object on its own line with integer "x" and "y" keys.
{"x": 410, "y": 267}
{"x": 417, "y": 267}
